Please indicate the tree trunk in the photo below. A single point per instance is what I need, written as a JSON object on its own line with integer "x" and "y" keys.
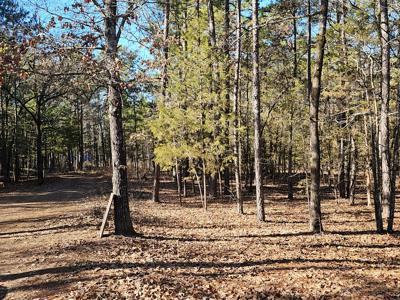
{"x": 395, "y": 165}
{"x": 164, "y": 85}
{"x": 122, "y": 217}
{"x": 315, "y": 93}
{"x": 227, "y": 84}
{"x": 375, "y": 173}
{"x": 179, "y": 181}
{"x": 290, "y": 150}
{"x": 204, "y": 185}
{"x": 256, "y": 113}
{"x": 368, "y": 172}
{"x": 16, "y": 145}
{"x": 341, "y": 174}
{"x": 39, "y": 143}
{"x": 156, "y": 183}
{"x": 353, "y": 170}
{"x": 384, "y": 134}
{"x": 5, "y": 160}
{"x": 103, "y": 144}
{"x": 236, "y": 108}
{"x": 81, "y": 145}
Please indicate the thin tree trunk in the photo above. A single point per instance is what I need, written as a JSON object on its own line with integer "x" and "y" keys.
{"x": 367, "y": 164}
{"x": 164, "y": 85}
{"x": 103, "y": 144}
{"x": 156, "y": 184}
{"x": 236, "y": 108}
{"x": 256, "y": 113}
{"x": 315, "y": 162}
{"x": 16, "y": 146}
{"x": 227, "y": 91}
{"x": 81, "y": 145}
{"x": 39, "y": 143}
{"x": 204, "y": 185}
{"x": 353, "y": 170}
{"x": 290, "y": 151}
{"x": 178, "y": 181}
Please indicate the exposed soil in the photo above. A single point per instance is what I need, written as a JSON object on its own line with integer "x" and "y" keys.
{"x": 49, "y": 248}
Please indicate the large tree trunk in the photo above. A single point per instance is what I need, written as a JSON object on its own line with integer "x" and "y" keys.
{"x": 236, "y": 108}
{"x": 315, "y": 162}
{"x": 375, "y": 173}
{"x": 122, "y": 217}
{"x": 384, "y": 144}
{"x": 256, "y": 113}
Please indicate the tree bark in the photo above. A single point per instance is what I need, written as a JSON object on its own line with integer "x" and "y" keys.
{"x": 179, "y": 181}
{"x": 384, "y": 143}
{"x": 315, "y": 162}
{"x": 39, "y": 143}
{"x": 290, "y": 150}
{"x": 375, "y": 173}
{"x": 81, "y": 143}
{"x": 164, "y": 85}
{"x": 122, "y": 218}
{"x": 394, "y": 166}
{"x": 256, "y": 113}
{"x": 227, "y": 84}
{"x": 353, "y": 170}
{"x": 236, "y": 108}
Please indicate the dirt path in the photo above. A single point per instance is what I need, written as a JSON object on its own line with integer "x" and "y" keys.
{"x": 36, "y": 219}
{"x": 49, "y": 248}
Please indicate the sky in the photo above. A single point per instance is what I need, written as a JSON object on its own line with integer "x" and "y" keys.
{"x": 57, "y": 7}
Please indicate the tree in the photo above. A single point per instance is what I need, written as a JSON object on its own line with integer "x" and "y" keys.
{"x": 236, "y": 107}
{"x": 256, "y": 113}
{"x": 315, "y": 94}
{"x": 164, "y": 83}
{"x": 122, "y": 219}
{"x": 384, "y": 131}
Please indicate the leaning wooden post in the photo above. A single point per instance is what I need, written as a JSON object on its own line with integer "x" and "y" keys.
{"x": 103, "y": 224}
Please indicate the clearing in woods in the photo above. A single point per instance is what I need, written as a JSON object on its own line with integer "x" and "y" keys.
{"x": 49, "y": 247}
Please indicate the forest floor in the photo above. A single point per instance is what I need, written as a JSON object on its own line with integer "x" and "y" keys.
{"x": 49, "y": 247}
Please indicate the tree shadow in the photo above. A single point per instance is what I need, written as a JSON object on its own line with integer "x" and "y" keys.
{"x": 181, "y": 239}
{"x": 351, "y": 233}
{"x": 366, "y": 246}
{"x": 3, "y": 292}
{"x": 273, "y": 235}
{"x": 13, "y": 233}
{"x": 289, "y": 264}
{"x": 34, "y": 220}
{"x": 64, "y": 188}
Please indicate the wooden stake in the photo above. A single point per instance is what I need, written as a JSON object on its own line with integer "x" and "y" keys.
{"x": 103, "y": 224}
